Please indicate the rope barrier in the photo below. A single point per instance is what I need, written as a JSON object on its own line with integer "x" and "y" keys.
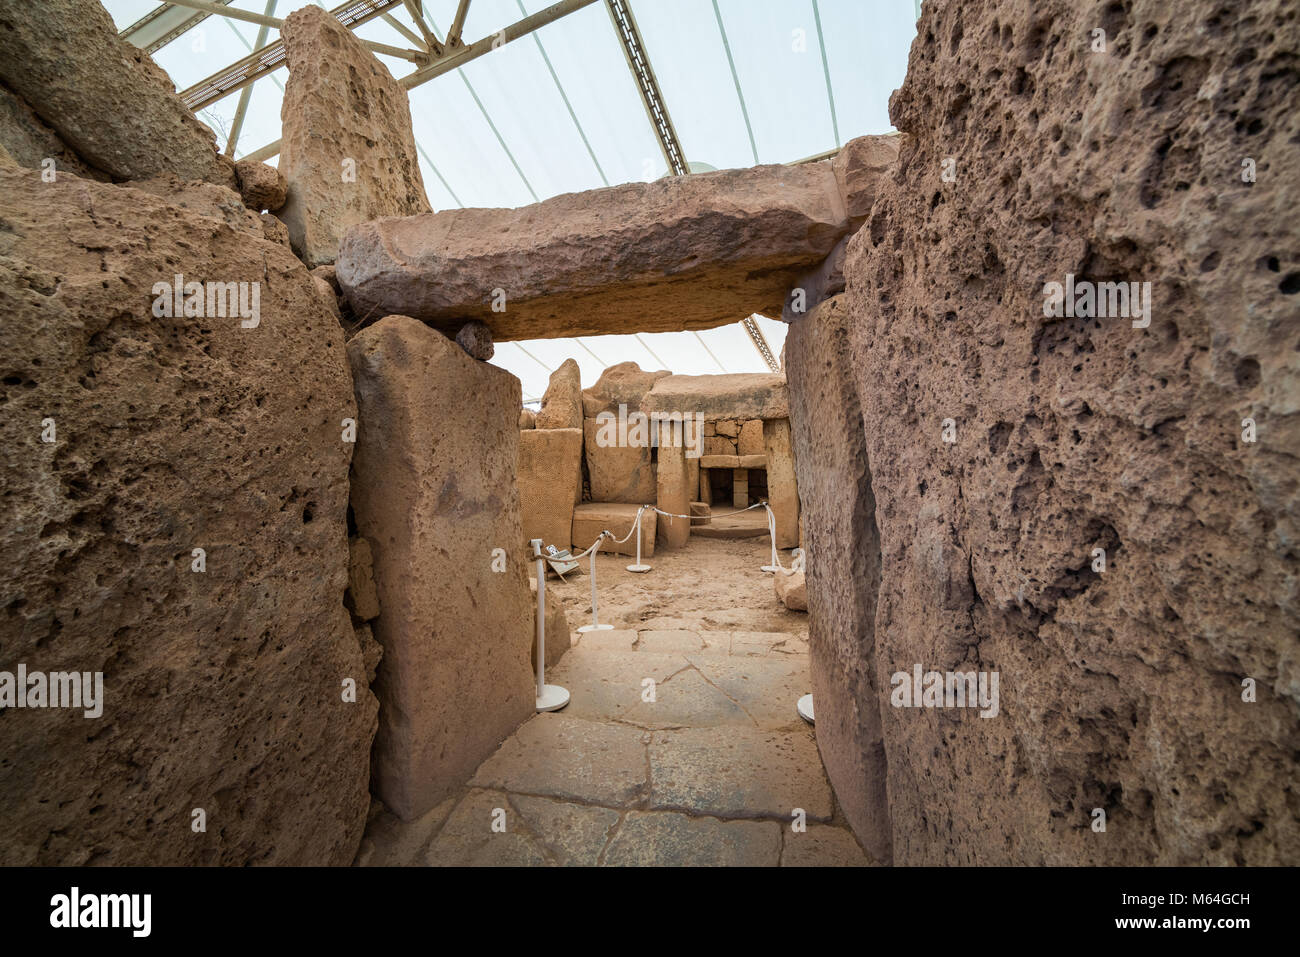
{"x": 711, "y": 514}
{"x": 771, "y": 531}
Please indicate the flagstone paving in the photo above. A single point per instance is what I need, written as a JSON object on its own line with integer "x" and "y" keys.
{"x": 680, "y": 746}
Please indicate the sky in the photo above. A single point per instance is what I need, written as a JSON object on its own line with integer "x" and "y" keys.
{"x": 498, "y": 131}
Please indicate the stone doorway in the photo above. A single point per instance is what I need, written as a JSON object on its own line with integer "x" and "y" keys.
{"x": 735, "y": 488}
{"x": 710, "y": 772}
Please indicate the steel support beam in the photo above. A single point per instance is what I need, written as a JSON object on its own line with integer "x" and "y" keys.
{"x": 404, "y": 30}
{"x": 413, "y": 7}
{"x": 457, "y": 24}
{"x": 464, "y": 54}
{"x": 234, "y": 13}
{"x": 620, "y": 13}
{"x": 270, "y": 58}
{"x": 246, "y": 93}
{"x": 826, "y": 71}
{"x": 163, "y": 24}
{"x": 760, "y": 343}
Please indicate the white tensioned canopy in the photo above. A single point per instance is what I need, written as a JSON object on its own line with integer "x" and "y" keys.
{"x": 519, "y": 100}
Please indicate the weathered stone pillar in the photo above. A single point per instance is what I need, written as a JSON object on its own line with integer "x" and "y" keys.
{"x": 348, "y": 151}
{"x": 550, "y": 470}
{"x": 433, "y": 490}
{"x": 843, "y": 568}
{"x": 782, "y": 489}
{"x": 674, "y": 494}
{"x": 740, "y": 488}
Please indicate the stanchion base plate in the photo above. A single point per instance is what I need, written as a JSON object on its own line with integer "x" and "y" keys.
{"x": 586, "y": 628}
{"x": 638, "y": 568}
{"x": 805, "y": 708}
{"x": 553, "y": 698}
{"x": 770, "y": 568}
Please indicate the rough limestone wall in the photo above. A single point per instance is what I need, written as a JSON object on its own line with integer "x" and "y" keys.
{"x": 105, "y": 98}
{"x": 1121, "y": 689}
{"x": 131, "y": 439}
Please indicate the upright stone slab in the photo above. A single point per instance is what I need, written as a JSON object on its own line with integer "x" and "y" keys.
{"x": 592, "y": 518}
{"x": 618, "y": 473}
{"x": 782, "y": 486}
{"x": 750, "y": 440}
{"x": 173, "y": 517}
{"x": 105, "y": 97}
{"x": 433, "y": 490}
{"x": 347, "y": 148}
{"x": 550, "y": 468}
{"x": 674, "y": 491}
{"x": 740, "y": 488}
{"x": 562, "y": 403}
{"x": 842, "y": 568}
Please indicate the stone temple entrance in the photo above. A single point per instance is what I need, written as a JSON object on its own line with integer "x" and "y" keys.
{"x": 710, "y": 772}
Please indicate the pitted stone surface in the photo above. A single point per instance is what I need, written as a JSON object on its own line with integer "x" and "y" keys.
{"x": 223, "y": 685}
{"x": 669, "y": 839}
{"x": 104, "y": 97}
{"x": 1120, "y": 689}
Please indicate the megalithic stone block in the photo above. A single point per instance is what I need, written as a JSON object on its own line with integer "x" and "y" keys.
{"x": 104, "y": 97}
{"x": 562, "y": 402}
{"x": 185, "y": 534}
{"x": 348, "y": 151}
{"x": 685, "y": 252}
{"x": 550, "y": 469}
{"x": 434, "y": 492}
{"x": 843, "y": 569}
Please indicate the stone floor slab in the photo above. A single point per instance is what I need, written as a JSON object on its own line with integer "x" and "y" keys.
{"x": 469, "y": 840}
{"x": 670, "y": 642}
{"x": 716, "y": 642}
{"x": 605, "y": 686}
{"x": 766, "y": 688}
{"x": 392, "y": 842}
{"x": 738, "y": 773}
{"x": 617, "y": 640}
{"x": 755, "y": 644}
{"x": 668, "y": 839}
{"x": 822, "y": 846}
{"x": 561, "y": 756}
{"x": 573, "y": 834}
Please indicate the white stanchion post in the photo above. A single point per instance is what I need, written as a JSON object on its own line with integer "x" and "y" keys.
{"x": 549, "y": 697}
{"x": 771, "y": 530}
{"x": 636, "y": 530}
{"x": 595, "y": 613}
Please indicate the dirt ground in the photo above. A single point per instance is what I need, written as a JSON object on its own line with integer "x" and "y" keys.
{"x": 708, "y": 585}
